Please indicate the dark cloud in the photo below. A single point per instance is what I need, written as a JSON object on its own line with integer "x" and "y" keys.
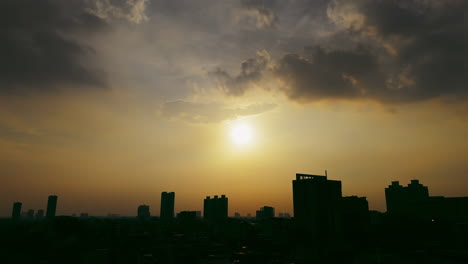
{"x": 262, "y": 11}
{"x": 320, "y": 74}
{"x": 395, "y": 52}
{"x": 41, "y": 45}
{"x": 209, "y": 112}
{"x": 250, "y": 74}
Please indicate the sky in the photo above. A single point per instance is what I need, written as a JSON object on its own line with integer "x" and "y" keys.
{"x": 108, "y": 103}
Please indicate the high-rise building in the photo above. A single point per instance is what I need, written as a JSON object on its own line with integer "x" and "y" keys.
{"x": 167, "y": 206}
{"x": 265, "y": 212}
{"x": 400, "y": 199}
{"x": 316, "y": 203}
{"x": 51, "y": 206}
{"x": 16, "y": 214}
{"x": 215, "y": 209}
{"x": 144, "y": 211}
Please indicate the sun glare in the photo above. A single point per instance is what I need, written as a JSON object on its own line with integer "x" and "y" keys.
{"x": 241, "y": 134}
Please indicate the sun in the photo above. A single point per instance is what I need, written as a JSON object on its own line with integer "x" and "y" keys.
{"x": 241, "y": 134}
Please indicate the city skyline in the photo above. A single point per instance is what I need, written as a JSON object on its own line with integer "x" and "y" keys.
{"x": 168, "y": 198}
{"x": 107, "y": 103}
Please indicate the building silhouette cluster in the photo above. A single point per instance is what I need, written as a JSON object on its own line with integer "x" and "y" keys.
{"x": 322, "y": 213}
{"x": 414, "y": 201}
{"x": 29, "y": 214}
{"x": 326, "y": 227}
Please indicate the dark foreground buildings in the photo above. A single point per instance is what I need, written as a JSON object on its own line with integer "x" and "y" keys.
{"x": 322, "y": 215}
{"x": 413, "y": 201}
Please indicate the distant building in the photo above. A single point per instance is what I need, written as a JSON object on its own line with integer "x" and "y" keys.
{"x": 284, "y": 215}
{"x": 167, "y": 206}
{"x": 316, "y": 206}
{"x": 51, "y": 206}
{"x": 143, "y": 212}
{"x": 399, "y": 198}
{"x": 187, "y": 217}
{"x": 215, "y": 209}
{"x": 198, "y": 214}
{"x": 84, "y": 215}
{"x": 30, "y": 214}
{"x": 237, "y": 215}
{"x": 16, "y": 214}
{"x": 40, "y": 214}
{"x": 265, "y": 212}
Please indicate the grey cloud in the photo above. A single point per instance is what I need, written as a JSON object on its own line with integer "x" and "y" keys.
{"x": 264, "y": 15}
{"x": 391, "y": 51}
{"x": 251, "y": 72}
{"x": 209, "y": 112}
{"x": 130, "y": 10}
{"x": 320, "y": 74}
{"x": 424, "y": 44}
{"x": 40, "y": 47}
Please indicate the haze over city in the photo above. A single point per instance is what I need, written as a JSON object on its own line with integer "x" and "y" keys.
{"x": 106, "y": 104}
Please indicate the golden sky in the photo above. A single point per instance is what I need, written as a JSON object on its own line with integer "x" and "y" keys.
{"x": 108, "y": 103}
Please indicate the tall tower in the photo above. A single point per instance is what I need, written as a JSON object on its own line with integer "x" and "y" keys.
{"x": 16, "y": 214}
{"x": 51, "y": 206}
{"x": 167, "y": 206}
{"x": 316, "y": 205}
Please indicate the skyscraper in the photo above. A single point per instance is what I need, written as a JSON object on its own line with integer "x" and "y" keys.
{"x": 167, "y": 206}
{"x": 316, "y": 201}
{"x": 16, "y": 214}
{"x": 215, "y": 209}
{"x": 144, "y": 211}
{"x": 51, "y": 206}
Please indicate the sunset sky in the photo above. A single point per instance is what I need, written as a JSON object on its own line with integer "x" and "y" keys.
{"x": 107, "y": 103}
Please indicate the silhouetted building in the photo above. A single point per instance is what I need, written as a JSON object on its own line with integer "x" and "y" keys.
{"x": 144, "y": 212}
{"x": 40, "y": 214}
{"x": 265, "y": 212}
{"x": 30, "y": 214}
{"x": 237, "y": 215}
{"x": 399, "y": 199}
{"x": 316, "y": 201}
{"x": 284, "y": 215}
{"x": 187, "y": 216}
{"x": 51, "y": 206}
{"x": 414, "y": 201}
{"x": 84, "y": 215}
{"x": 215, "y": 209}
{"x": 355, "y": 217}
{"x": 16, "y": 214}
{"x": 167, "y": 206}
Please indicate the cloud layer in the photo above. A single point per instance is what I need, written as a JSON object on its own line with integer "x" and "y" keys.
{"x": 393, "y": 52}
{"x": 209, "y": 112}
